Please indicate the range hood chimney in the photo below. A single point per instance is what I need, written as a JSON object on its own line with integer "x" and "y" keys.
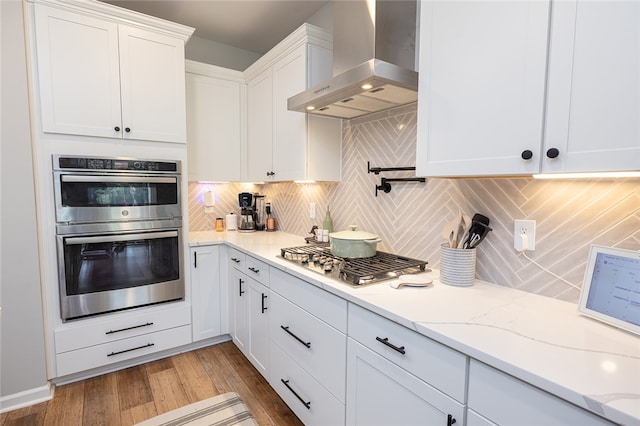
{"x": 374, "y": 61}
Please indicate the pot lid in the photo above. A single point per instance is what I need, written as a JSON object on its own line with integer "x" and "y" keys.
{"x": 353, "y": 234}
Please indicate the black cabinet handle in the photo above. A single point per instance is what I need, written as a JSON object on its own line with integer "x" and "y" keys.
{"x": 252, "y": 269}
{"x": 553, "y": 152}
{"x": 385, "y": 341}
{"x": 240, "y": 282}
{"x": 195, "y": 259}
{"x": 307, "y": 344}
{"x": 235, "y": 260}
{"x": 129, "y": 328}
{"x": 450, "y": 420}
{"x": 127, "y": 129}
{"x": 117, "y": 129}
{"x": 148, "y": 345}
{"x": 527, "y": 154}
{"x": 271, "y": 173}
{"x": 306, "y": 404}
{"x": 264, "y": 308}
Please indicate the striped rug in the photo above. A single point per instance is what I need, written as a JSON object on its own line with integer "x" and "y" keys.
{"x": 221, "y": 410}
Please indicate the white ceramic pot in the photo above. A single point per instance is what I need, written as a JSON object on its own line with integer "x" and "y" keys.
{"x": 353, "y": 243}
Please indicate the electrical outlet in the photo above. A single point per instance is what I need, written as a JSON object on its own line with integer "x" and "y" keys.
{"x": 312, "y": 210}
{"x": 524, "y": 230}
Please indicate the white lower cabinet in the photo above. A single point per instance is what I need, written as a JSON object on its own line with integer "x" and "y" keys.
{"x": 102, "y": 341}
{"x": 238, "y": 297}
{"x": 206, "y": 292}
{"x": 306, "y": 397}
{"x": 379, "y": 392}
{"x": 505, "y": 400}
{"x": 397, "y": 377}
{"x": 258, "y": 313}
{"x": 475, "y": 419}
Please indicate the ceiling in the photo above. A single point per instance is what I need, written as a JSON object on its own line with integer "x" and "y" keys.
{"x": 254, "y": 25}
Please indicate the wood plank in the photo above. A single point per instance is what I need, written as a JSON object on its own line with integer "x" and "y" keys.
{"x": 136, "y": 414}
{"x": 67, "y": 405}
{"x": 101, "y": 405}
{"x": 168, "y": 393}
{"x": 133, "y": 387}
{"x": 32, "y": 415}
{"x": 194, "y": 378}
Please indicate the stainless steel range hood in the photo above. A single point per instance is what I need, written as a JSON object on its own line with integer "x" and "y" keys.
{"x": 374, "y": 60}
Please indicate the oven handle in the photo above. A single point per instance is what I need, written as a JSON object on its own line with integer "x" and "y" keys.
{"x": 123, "y": 237}
{"x": 117, "y": 179}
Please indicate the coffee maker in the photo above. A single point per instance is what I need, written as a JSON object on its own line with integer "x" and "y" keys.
{"x": 247, "y": 212}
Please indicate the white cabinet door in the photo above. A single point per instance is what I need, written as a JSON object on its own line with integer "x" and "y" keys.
{"x": 258, "y": 324}
{"x": 289, "y": 127}
{"x": 214, "y": 128}
{"x": 481, "y": 87}
{"x": 78, "y": 73}
{"x": 593, "y": 107}
{"x": 205, "y": 292}
{"x": 505, "y": 400}
{"x": 238, "y": 295}
{"x": 152, "y": 85}
{"x": 260, "y": 128}
{"x": 381, "y": 393}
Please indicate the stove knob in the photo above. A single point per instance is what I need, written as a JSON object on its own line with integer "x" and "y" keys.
{"x": 305, "y": 259}
{"x": 328, "y": 266}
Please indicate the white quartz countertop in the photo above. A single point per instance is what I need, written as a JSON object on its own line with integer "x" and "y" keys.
{"x": 542, "y": 341}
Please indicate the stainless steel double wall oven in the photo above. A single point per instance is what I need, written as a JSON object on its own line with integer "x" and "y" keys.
{"x": 119, "y": 233}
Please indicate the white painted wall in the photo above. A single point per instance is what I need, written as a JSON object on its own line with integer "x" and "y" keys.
{"x": 22, "y": 353}
{"x": 222, "y": 55}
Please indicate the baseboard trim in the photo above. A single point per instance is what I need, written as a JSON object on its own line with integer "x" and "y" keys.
{"x": 26, "y": 398}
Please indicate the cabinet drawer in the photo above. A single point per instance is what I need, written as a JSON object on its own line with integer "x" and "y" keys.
{"x": 314, "y": 345}
{"x": 436, "y": 364}
{"x": 503, "y": 399}
{"x": 324, "y": 305}
{"x": 237, "y": 259}
{"x": 121, "y": 350}
{"x": 311, "y": 402}
{"x": 90, "y": 332}
{"x": 257, "y": 269}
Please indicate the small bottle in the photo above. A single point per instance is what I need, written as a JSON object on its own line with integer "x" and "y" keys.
{"x": 219, "y": 224}
{"x": 328, "y": 222}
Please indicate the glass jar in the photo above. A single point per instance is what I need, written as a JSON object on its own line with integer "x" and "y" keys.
{"x": 219, "y": 224}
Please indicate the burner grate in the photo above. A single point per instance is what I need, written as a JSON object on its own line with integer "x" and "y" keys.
{"x": 357, "y": 271}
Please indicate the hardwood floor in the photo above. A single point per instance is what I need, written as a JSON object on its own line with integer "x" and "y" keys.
{"x": 138, "y": 393}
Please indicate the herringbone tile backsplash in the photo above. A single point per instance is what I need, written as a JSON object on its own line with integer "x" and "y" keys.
{"x": 570, "y": 214}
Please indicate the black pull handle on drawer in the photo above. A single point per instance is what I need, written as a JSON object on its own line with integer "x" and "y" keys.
{"x": 252, "y": 269}
{"x": 129, "y": 328}
{"x": 240, "y": 282}
{"x": 264, "y": 308}
{"x": 306, "y": 404}
{"x": 148, "y": 345}
{"x": 450, "y": 420}
{"x": 307, "y": 344}
{"x": 385, "y": 341}
{"x": 235, "y": 260}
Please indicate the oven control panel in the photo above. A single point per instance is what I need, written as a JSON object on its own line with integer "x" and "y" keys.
{"x": 114, "y": 164}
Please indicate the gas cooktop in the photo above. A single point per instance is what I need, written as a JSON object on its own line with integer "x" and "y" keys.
{"x": 355, "y": 271}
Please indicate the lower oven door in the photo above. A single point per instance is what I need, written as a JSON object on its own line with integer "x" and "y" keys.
{"x": 108, "y": 272}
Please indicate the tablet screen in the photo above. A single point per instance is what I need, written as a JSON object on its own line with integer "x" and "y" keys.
{"x": 611, "y": 288}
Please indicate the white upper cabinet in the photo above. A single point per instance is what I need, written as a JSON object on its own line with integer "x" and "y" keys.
{"x": 286, "y": 145}
{"x": 216, "y": 120}
{"x": 100, "y": 77}
{"x": 502, "y": 93}
{"x": 593, "y": 107}
{"x": 481, "y": 87}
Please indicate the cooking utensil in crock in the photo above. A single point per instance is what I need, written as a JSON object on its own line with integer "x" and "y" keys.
{"x": 354, "y": 243}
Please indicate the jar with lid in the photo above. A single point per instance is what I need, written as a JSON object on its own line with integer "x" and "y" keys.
{"x": 219, "y": 224}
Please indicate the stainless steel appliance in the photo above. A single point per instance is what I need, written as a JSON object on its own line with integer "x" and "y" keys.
{"x": 119, "y": 233}
{"x": 355, "y": 271}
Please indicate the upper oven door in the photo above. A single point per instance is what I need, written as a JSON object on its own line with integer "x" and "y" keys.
{"x": 91, "y": 198}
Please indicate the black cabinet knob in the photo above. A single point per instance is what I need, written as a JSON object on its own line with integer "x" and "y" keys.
{"x": 527, "y": 154}
{"x": 126, "y": 129}
{"x": 553, "y": 152}
{"x": 117, "y": 129}
{"x": 271, "y": 173}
